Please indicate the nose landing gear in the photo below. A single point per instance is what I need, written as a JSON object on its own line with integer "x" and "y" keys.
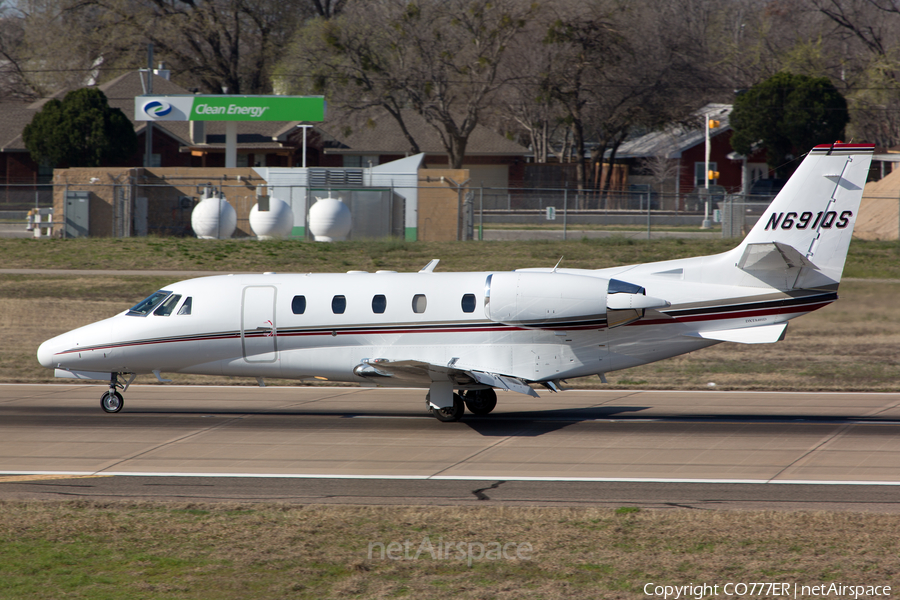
{"x": 112, "y": 401}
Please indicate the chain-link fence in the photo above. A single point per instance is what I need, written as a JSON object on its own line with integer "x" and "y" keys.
{"x": 164, "y": 207}
{"x": 25, "y": 196}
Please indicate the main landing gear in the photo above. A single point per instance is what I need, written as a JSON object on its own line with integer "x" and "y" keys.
{"x": 479, "y": 402}
{"x": 112, "y": 401}
{"x": 451, "y": 413}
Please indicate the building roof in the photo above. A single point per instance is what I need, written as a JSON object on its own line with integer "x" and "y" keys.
{"x": 675, "y": 139}
{"x": 14, "y": 116}
{"x": 377, "y": 132}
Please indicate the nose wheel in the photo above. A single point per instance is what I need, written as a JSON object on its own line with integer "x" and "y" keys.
{"x": 112, "y": 401}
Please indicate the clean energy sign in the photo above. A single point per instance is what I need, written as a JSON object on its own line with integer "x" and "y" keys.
{"x": 229, "y": 108}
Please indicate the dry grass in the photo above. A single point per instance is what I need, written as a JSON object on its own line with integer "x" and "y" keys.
{"x": 853, "y": 344}
{"x": 216, "y": 551}
{"x": 304, "y": 257}
{"x": 865, "y": 259}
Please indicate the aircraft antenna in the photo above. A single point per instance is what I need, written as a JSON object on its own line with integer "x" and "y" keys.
{"x": 557, "y": 264}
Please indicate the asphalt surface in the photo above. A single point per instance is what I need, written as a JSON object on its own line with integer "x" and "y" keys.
{"x": 300, "y": 445}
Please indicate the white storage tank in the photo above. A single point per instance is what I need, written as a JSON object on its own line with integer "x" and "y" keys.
{"x": 329, "y": 220}
{"x": 213, "y": 218}
{"x": 271, "y": 219}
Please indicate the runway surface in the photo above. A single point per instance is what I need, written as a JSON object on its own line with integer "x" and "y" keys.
{"x": 356, "y": 445}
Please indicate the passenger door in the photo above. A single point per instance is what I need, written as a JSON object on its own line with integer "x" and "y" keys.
{"x": 259, "y": 333}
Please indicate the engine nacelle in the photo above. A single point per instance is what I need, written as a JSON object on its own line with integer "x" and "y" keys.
{"x": 563, "y": 300}
{"x": 545, "y": 299}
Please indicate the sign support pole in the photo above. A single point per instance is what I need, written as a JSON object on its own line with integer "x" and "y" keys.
{"x": 231, "y": 144}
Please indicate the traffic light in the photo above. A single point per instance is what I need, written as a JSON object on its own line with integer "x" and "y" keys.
{"x": 712, "y": 175}
{"x": 713, "y": 123}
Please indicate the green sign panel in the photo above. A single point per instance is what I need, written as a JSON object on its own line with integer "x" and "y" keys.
{"x": 257, "y": 108}
{"x": 229, "y": 108}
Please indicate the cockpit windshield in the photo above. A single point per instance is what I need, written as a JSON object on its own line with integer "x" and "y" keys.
{"x": 146, "y": 306}
{"x": 165, "y": 309}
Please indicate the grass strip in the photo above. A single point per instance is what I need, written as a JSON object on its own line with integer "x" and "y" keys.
{"x": 870, "y": 259}
{"x": 192, "y": 551}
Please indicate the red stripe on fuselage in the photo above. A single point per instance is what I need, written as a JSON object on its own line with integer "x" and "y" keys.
{"x": 713, "y": 316}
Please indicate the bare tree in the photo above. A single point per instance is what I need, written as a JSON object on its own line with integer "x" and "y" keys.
{"x": 868, "y": 34}
{"x": 616, "y": 77}
{"x": 525, "y": 105}
{"x": 459, "y": 47}
{"x": 442, "y": 58}
{"x": 218, "y": 45}
{"x": 12, "y": 77}
{"x": 661, "y": 77}
{"x": 347, "y": 59}
{"x": 52, "y": 45}
{"x": 661, "y": 168}
{"x": 208, "y": 44}
{"x": 586, "y": 42}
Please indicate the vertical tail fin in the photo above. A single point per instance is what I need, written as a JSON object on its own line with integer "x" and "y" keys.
{"x": 810, "y": 222}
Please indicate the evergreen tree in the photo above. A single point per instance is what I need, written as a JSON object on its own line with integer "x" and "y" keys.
{"x": 788, "y": 114}
{"x": 80, "y": 131}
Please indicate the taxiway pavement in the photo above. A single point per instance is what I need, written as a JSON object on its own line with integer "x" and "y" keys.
{"x": 703, "y": 449}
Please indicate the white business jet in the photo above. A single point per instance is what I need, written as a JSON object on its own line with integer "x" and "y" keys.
{"x": 463, "y": 335}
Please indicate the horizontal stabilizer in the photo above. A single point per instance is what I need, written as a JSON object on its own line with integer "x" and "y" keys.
{"x": 772, "y": 256}
{"x": 764, "y": 334}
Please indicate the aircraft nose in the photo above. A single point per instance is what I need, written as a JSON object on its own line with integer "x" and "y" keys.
{"x": 46, "y": 354}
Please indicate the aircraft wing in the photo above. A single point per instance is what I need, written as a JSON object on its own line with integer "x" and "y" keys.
{"x": 419, "y": 372}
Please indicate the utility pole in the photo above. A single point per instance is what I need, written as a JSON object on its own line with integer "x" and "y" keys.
{"x": 706, "y": 224}
{"x": 148, "y": 129}
{"x": 708, "y": 175}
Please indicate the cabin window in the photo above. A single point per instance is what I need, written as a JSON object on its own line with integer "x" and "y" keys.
{"x": 379, "y": 304}
{"x": 186, "y": 307}
{"x": 339, "y": 305}
{"x": 419, "y": 303}
{"x": 146, "y": 306}
{"x": 298, "y": 305}
{"x": 165, "y": 309}
{"x": 468, "y": 303}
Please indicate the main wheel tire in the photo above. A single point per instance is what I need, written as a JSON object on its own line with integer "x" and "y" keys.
{"x": 112, "y": 403}
{"x": 450, "y": 413}
{"x": 480, "y": 402}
